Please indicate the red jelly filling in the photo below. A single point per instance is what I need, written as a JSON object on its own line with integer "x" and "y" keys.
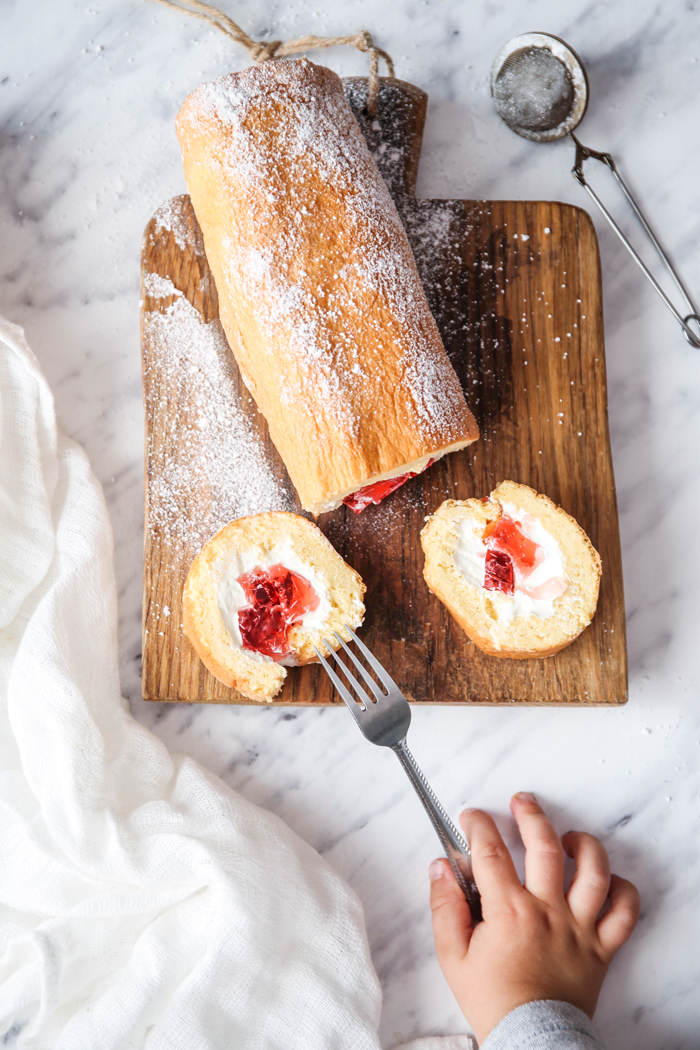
{"x": 499, "y": 573}
{"x": 379, "y": 490}
{"x": 278, "y": 599}
{"x": 505, "y": 535}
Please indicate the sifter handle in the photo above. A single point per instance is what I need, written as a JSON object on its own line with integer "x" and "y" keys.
{"x": 584, "y": 153}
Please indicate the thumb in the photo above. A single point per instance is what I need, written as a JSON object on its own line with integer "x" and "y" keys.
{"x": 452, "y": 924}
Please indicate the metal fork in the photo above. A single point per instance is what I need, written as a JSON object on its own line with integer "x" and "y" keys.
{"x": 384, "y": 720}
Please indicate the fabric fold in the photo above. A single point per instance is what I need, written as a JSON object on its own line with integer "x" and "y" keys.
{"x": 144, "y": 904}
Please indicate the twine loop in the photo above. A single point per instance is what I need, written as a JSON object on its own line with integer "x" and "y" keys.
{"x": 263, "y": 50}
{"x": 267, "y": 50}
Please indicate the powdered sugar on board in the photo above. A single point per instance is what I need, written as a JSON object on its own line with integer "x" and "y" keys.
{"x": 159, "y": 287}
{"x": 205, "y": 442}
{"x": 169, "y": 218}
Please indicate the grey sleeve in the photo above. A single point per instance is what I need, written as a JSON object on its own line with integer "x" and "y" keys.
{"x": 543, "y": 1025}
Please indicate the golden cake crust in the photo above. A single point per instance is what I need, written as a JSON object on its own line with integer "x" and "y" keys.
{"x": 319, "y": 295}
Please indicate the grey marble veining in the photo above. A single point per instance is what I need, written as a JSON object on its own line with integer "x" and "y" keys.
{"x": 88, "y": 93}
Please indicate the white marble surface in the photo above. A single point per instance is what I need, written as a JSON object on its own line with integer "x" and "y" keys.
{"x": 88, "y": 92}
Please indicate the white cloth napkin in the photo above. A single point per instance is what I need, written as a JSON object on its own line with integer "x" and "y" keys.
{"x": 143, "y": 904}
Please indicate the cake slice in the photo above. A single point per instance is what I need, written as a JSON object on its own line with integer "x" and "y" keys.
{"x": 518, "y": 574}
{"x": 260, "y": 594}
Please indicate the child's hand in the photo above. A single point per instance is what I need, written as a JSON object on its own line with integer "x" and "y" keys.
{"x": 534, "y": 942}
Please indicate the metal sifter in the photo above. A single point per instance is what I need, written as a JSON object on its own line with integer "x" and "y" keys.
{"x": 540, "y": 89}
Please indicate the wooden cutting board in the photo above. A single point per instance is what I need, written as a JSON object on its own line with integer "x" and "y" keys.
{"x": 515, "y": 288}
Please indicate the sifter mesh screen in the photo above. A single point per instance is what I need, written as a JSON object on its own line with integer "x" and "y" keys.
{"x": 533, "y": 90}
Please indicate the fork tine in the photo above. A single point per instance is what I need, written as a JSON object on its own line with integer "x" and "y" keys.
{"x": 360, "y": 693}
{"x": 383, "y": 676}
{"x": 346, "y": 695}
{"x": 366, "y": 677}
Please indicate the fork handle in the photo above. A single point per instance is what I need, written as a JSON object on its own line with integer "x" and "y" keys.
{"x": 455, "y": 847}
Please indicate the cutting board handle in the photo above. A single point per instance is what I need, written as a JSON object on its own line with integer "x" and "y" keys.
{"x": 395, "y": 133}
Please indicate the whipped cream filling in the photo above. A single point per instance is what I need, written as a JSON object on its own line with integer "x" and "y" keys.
{"x": 231, "y": 597}
{"x": 417, "y": 466}
{"x": 535, "y": 593}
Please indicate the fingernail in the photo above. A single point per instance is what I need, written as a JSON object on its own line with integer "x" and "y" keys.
{"x": 436, "y": 870}
{"x": 525, "y": 796}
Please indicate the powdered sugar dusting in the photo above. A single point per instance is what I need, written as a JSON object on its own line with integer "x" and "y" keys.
{"x": 324, "y": 322}
{"x": 158, "y": 287}
{"x": 206, "y": 463}
{"x": 171, "y": 218}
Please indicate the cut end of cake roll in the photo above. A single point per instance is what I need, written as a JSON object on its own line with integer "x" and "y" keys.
{"x": 517, "y": 573}
{"x": 261, "y": 594}
{"x": 377, "y": 487}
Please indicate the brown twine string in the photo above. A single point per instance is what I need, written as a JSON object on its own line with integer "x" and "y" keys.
{"x": 264, "y": 50}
